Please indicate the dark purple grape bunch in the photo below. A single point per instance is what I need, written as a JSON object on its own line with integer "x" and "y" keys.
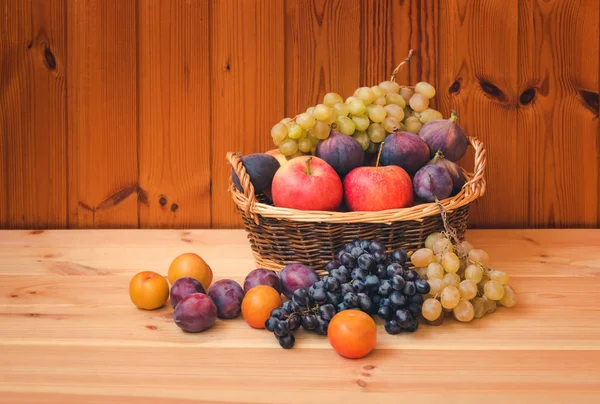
{"x": 361, "y": 277}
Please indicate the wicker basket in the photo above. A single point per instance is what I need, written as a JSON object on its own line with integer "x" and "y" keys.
{"x": 279, "y": 236}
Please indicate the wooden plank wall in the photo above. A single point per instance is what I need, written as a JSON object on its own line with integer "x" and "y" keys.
{"x": 118, "y": 113}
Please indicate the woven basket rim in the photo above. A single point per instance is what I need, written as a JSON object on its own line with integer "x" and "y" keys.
{"x": 473, "y": 188}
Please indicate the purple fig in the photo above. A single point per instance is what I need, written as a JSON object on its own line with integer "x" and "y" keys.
{"x": 432, "y": 182}
{"x": 456, "y": 173}
{"x": 446, "y": 136}
{"x": 406, "y": 150}
{"x": 341, "y": 152}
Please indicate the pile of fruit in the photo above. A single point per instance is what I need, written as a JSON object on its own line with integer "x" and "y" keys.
{"x": 382, "y": 148}
{"x": 444, "y": 278}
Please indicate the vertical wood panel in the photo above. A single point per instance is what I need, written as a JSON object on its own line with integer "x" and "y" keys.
{"x": 102, "y": 113}
{"x": 174, "y": 113}
{"x": 558, "y": 125}
{"x": 389, "y": 29}
{"x": 322, "y": 52}
{"x": 32, "y": 114}
{"x": 247, "y": 94}
{"x": 477, "y": 77}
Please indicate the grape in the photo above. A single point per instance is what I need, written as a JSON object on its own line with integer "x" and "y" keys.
{"x": 431, "y": 309}
{"x": 350, "y": 99}
{"x": 380, "y": 101}
{"x": 410, "y": 275}
{"x": 395, "y": 99}
{"x": 332, "y": 284}
{"x": 281, "y": 328}
{"x": 442, "y": 245}
{"x": 412, "y": 124}
{"x": 376, "y": 133}
{"x": 450, "y": 262}
{"x": 364, "y": 302}
{"x": 313, "y": 140}
{"x": 389, "y": 86}
{"x": 394, "y": 111}
{"x": 493, "y": 290}
{"x": 510, "y": 298}
{"x": 435, "y": 270}
{"x": 490, "y": 305}
{"x": 425, "y": 89}
{"x": 288, "y": 147}
{"x": 305, "y": 145}
{"x": 327, "y": 311}
{"x": 422, "y": 287}
{"x": 399, "y": 256}
{"x": 451, "y": 280}
{"x": 478, "y": 255}
{"x": 390, "y": 124}
{"x": 467, "y": 289}
{"x": 300, "y": 296}
{"x": 499, "y": 276}
{"x": 331, "y": 99}
{"x": 473, "y": 273}
{"x": 435, "y": 286}
{"x": 357, "y": 107}
{"x": 270, "y": 323}
{"x": 479, "y": 307}
{"x": 450, "y": 297}
{"x": 422, "y": 272}
{"x": 279, "y": 133}
{"x": 385, "y": 312}
{"x": 378, "y": 91}
{"x": 409, "y": 289}
{"x": 345, "y": 125}
{"x": 366, "y": 94}
{"x": 372, "y": 146}
{"x": 320, "y": 131}
{"x": 398, "y": 282}
{"x": 287, "y": 341}
{"x": 362, "y": 122}
{"x": 376, "y": 113}
{"x": 306, "y": 120}
{"x": 430, "y": 115}
{"x": 422, "y": 257}
{"x": 278, "y": 313}
{"x": 362, "y": 138}
{"x": 392, "y": 327}
{"x": 432, "y": 238}
{"x": 321, "y": 112}
{"x": 418, "y": 102}
{"x": 340, "y": 109}
{"x": 406, "y": 93}
{"x": 466, "y": 246}
{"x": 295, "y": 131}
{"x": 397, "y": 298}
{"x": 464, "y": 311}
{"x": 286, "y": 121}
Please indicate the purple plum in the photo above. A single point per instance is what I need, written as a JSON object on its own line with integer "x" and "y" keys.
{"x": 406, "y": 150}
{"x": 183, "y": 287}
{"x": 432, "y": 181}
{"x": 341, "y": 152}
{"x": 261, "y": 276}
{"x": 294, "y": 276}
{"x": 227, "y": 296}
{"x": 195, "y": 313}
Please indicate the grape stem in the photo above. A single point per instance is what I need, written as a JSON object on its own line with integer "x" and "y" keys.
{"x": 379, "y": 154}
{"x": 405, "y": 61}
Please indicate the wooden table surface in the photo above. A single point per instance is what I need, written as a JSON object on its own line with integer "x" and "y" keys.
{"x": 69, "y": 333}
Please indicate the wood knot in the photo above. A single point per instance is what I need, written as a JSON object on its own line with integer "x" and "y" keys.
{"x": 50, "y": 59}
{"x": 369, "y": 367}
{"x": 492, "y": 91}
{"x": 590, "y": 99}
{"x": 151, "y": 327}
{"x": 527, "y": 96}
{"x": 174, "y": 207}
{"x": 34, "y": 232}
{"x": 361, "y": 383}
{"x": 162, "y": 201}
{"x": 455, "y": 87}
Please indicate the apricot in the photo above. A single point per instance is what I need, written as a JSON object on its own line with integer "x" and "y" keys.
{"x": 352, "y": 333}
{"x": 258, "y": 304}
{"x": 193, "y": 266}
{"x": 148, "y": 290}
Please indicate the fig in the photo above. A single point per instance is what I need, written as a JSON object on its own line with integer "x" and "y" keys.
{"x": 261, "y": 168}
{"x": 342, "y": 152}
{"x": 456, "y": 173}
{"x": 406, "y": 150}
{"x": 432, "y": 182}
{"x": 446, "y": 136}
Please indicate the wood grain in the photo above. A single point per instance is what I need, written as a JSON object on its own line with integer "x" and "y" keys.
{"x": 322, "y": 52}
{"x": 557, "y": 121}
{"x": 102, "y": 110}
{"x": 74, "y": 336}
{"x": 174, "y": 113}
{"x": 33, "y": 114}
{"x": 247, "y": 93}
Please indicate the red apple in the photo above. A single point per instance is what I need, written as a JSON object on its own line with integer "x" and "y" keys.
{"x": 307, "y": 183}
{"x": 378, "y": 188}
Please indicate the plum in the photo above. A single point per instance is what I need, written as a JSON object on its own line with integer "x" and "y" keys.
{"x": 261, "y": 168}
{"x": 183, "y": 287}
{"x": 195, "y": 313}
{"x": 456, "y": 173}
{"x": 227, "y": 295}
{"x": 406, "y": 150}
{"x": 341, "y": 152}
{"x": 432, "y": 181}
{"x": 446, "y": 136}
{"x": 260, "y": 276}
{"x": 294, "y": 276}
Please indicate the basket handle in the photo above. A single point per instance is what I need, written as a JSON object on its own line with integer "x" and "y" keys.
{"x": 478, "y": 180}
{"x": 236, "y": 163}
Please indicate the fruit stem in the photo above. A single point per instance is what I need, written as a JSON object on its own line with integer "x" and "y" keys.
{"x": 453, "y": 116}
{"x": 308, "y": 165}
{"x": 397, "y": 69}
{"x": 379, "y": 154}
